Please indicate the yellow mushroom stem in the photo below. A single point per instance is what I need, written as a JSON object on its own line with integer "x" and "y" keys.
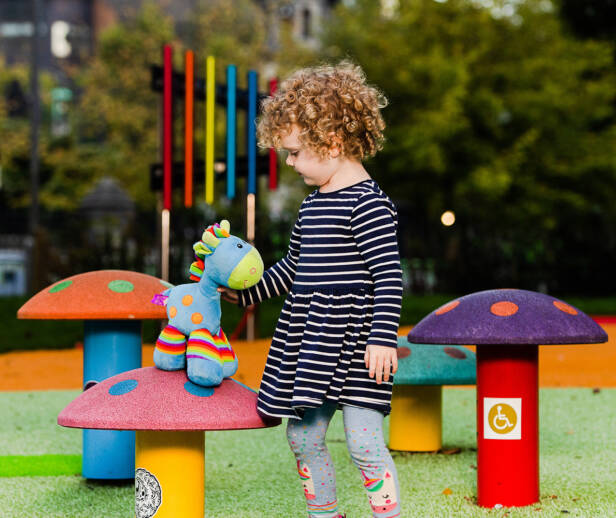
{"x": 177, "y": 461}
{"x": 415, "y": 423}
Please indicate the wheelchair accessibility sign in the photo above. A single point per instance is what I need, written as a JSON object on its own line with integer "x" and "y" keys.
{"x": 502, "y": 418}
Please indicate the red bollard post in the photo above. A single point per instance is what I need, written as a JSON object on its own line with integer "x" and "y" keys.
{"x": 507, "y": 425}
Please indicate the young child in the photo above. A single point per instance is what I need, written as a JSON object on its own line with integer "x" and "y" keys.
{"x": 335, "y": 342}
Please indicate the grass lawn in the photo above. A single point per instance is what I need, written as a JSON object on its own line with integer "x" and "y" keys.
{"x": 251, "y": 474}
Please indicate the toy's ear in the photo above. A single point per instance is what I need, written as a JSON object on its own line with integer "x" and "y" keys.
{"x": 226, "y": 226}
{"x": 210, "y": 239}
{"x": 201, "y": 249}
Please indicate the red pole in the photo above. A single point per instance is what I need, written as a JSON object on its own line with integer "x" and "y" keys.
{"x": 188, "y": 128}
{"x": 273, "y": 158}
{"x": 507, "y": 425}
{"x": 167, "y": 124}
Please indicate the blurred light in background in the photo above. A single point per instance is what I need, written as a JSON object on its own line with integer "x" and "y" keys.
{"x": 448, "y": 218}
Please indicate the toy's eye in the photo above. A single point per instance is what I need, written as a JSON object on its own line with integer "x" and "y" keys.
{"x": 240, "y": 245}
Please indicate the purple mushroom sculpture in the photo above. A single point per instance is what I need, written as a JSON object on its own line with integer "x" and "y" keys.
{"x": 507, "y": 326}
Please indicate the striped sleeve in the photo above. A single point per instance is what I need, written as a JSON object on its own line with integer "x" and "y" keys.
{"x": 277, "y": 279}
{"x": 374, "y": 225}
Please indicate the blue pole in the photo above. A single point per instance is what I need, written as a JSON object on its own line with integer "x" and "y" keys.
{"x": 231, "y": 129}
{"x": 109, "y": 348}
{"x": 252, "y": 132}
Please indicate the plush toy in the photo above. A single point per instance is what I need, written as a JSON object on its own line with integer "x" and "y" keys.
{"x": 193, "y": 339}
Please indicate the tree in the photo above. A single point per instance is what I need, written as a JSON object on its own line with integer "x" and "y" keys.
{"x": 503, "y": 118}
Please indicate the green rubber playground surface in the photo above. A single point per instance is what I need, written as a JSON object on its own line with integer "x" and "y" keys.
{"x": 251, "y": 474}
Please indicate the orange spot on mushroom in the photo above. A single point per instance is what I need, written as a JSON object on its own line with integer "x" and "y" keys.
{"x": 566, "y": 308}
{"x": 458, "y": 354}
{"x": 403, "y": 352}
{"x": 187, "y": 300}
{"x": 504, "y": 309}
{"x": 196, "y": 318}
{"x": 173, "y": 311}
{"x": 447, "y": 307}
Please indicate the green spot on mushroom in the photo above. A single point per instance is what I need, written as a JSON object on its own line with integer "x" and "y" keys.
{"x": 121, "y": 286}
{"x": 60, "y": 286}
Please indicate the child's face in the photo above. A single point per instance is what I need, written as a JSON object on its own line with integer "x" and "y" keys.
{"x": 313, "y": 169}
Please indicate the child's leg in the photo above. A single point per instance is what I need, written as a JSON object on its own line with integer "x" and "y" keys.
{"x": 314, "y": 464}
{"x": 364, "y": 435}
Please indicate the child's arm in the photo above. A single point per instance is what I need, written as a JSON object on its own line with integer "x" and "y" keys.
{"x": 373, "y": 224}
{"x": 277, "y": 279}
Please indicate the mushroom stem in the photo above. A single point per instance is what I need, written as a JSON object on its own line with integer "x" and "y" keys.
{"x": 174, "y": 476}
{"x": 507, "y": 425}
{"x": 415, "y": 423}
{"x": 109, "y": 348}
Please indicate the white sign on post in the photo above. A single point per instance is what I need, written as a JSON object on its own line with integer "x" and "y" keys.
{"x": 502, "y": 418}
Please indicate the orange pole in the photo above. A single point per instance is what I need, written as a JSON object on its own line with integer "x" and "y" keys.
{"x": 188, "y": 128}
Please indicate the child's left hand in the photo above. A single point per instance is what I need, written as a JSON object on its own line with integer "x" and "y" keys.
{"x": 380, "y": 360}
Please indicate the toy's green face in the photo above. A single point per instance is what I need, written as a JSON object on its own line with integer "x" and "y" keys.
{"x": 247, "y": 272}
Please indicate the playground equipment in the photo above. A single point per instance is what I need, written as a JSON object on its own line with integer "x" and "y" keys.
{"x": 112, "y": 304}
{"x": 507, "y": 326}
{"x": 164, "y": 176}
{"x": 415, "y": 422}
{"x": 169, "y": 414}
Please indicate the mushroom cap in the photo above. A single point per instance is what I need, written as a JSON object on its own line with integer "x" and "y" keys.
{"x": 98, "y": 295}
{"x": 421, "y": 364}
{"x": 507, "y": 316}
{"x": 152, "y": 399}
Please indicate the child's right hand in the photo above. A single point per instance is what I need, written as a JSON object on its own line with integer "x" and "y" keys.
{"x": 229, "y": 295}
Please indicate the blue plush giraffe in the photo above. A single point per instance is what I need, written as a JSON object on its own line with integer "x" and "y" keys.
{"x": 193, "y": 338}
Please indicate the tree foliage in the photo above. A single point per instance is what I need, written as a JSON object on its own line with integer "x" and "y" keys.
{"x": 504, "y": 119}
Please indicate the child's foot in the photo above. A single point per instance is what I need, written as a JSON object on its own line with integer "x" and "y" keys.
{"x": 203, "y": 360}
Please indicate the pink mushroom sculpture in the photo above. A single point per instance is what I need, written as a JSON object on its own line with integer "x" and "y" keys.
{"x": 169, "y": 414}
{"x": 507, "y": 326}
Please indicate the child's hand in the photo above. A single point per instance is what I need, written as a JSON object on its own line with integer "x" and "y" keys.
{"x": 229, "y": 295}
{"x": 380, "y": 360}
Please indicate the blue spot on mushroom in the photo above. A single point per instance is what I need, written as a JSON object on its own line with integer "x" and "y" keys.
{"x": 197, "y": 390}
{"x": 123, "y": 387}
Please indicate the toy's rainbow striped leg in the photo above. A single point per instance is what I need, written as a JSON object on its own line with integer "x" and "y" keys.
{"x": 170, "y": 350}
{"x": 227, "y": 354}
{"x": 203, "y": 359}
{"x": 170, "y": 474}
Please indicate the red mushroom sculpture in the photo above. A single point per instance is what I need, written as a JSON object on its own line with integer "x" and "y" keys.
{"x": 507, "y": 326}
{"x": 170, "y": 414}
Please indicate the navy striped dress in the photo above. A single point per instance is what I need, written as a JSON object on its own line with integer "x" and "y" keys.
{"x": 344, "y": 283}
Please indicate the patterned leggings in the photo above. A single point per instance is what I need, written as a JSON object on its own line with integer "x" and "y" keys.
{"x": 364, "y": 436}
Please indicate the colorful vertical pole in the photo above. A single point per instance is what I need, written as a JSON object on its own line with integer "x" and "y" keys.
{"x": 189, "y": 96}
{"x": 210, "y": 104}
{"x": 231, "y": 129}
{"x": 251, "y": 150}
{"x": 167, "y": 124}
{"x": 273, "y": 158}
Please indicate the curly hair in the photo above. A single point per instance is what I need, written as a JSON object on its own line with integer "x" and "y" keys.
{"x": 322, "y": 100}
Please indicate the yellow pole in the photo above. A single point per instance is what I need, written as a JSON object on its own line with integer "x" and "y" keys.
{"x": 415, "y": 423}
{"x": 210, "y": 105}
{"x": 170, "y": 474}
